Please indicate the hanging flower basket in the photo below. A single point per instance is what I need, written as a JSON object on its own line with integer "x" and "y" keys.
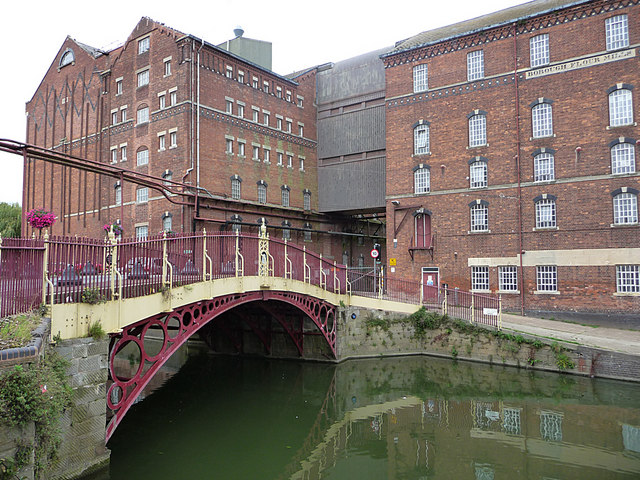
{"x": 117, "y": 229}
{"x": 39, "y": 218}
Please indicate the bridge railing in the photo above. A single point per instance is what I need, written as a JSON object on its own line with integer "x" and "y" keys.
{"x": 21, "y": 263}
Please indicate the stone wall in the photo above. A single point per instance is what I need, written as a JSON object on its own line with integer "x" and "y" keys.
{"x": 11, "y": 438}
{"x": 361, "y": 335}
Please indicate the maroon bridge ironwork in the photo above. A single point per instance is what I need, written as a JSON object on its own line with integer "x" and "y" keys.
{"x": 178, "y": 326}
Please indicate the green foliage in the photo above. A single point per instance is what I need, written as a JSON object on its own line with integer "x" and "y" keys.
{"x": 10, "y": 220}
{"x": 454, "y": 352}
{"x": 9, "y": 467}
{"x": 564, "y": 362}
{"x": 91, "y": 296}
{"x": 15, "y": 331}
{"x": 39, "y": 394}
{"x": 374, "y": 322}
{"x": 96, "y": 331}
{"x": 424, "y": 321}
{"x": 537, "y": 344}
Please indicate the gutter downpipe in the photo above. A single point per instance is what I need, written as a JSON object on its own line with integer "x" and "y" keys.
{"x": 518, "y": 150}
{"x": 196, "y": 210}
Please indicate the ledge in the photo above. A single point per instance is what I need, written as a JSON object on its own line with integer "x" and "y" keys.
{"x": 11, "y": 356}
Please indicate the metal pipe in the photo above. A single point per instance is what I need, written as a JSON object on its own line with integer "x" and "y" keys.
{"x": 518, "y": 151}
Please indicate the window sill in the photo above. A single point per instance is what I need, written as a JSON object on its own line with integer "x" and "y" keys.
{"x": 173, "y": 146}
{"x": 142, "y": 123}
{"x": 476, "y": 232}
{"x": 634, "y": 124}
{"x": 477, "y": 290}
{"x": 539, "y": 182}
{"x": 479, "y": 188}
{"x": 623, "y": 225}
{"x": 627, "y": 294}
{"x": 255, "y": 159}
{"x": 477, "y": 146}
{"x": 266, "y": 162}
{"x": 509, "y": 292}
{"x": 420, "y": 154}
{"x": 545, "y": 229}
{"x": 546, "y": 292}
{"x": 542, "y": 137}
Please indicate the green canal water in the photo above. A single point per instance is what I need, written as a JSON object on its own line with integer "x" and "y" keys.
{"x": 419, "y": 418}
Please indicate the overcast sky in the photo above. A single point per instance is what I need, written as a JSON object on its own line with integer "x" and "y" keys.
{"x": 303, "y": 33}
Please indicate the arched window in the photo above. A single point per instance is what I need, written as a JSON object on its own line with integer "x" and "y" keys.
{"x": 286, "y": 230}
{"x": 421, "y": 138}
{"x": 236, "y": 221}
{"x": 625, "y": 206}
{"x": 422, "y": 228}
{"x": 543, "y": 165}
{"x": 236, "y": 181}
{"x": 477, "y": 128}
{"x": 541, "y": 118}
{"x": 545, "y": 211}
{"x": 67, "y": 58}
{"x": 262, "y": 191}
{"x": 623, "y": 156}
{"x": 478, "y": 172}
{"x": 306, "y": 199}
{"x": 167, "y": 222}
{"x": 285, "y": 195}
{"x": 307, "y": 232}
{"x": 479, "y": 210}
{"x": 620, "y": 105}
{"x": 422, "y": 179}
{"x": 142, "y": 156}
{"x": 118, "y": 193}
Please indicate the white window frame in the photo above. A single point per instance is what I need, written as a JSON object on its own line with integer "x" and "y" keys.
{"x": 114, "y": 116}
{"x": 617, "y": 32}
{"x": 142, "y": 195}
{"x": 508, "y": 278}
{"x": 421, "y": 140}
{"x": 118, "y": 194}
{"x": 480, "y": 279}
{"x": 228, "y": 106}
{"x": 143, "y": 78}
{"x": 542, "y": 120}
{"x": 544, "y": 167}
{"x": 167, "y": 223}
{"x": 142, "y": 231}
{"x": 539, "y": 50}
{"x": 173, "y": 138}
{"x": 144, "y": 44}
{"x": 229, "y": 146}
{"x": 240, "y": 110}
{"x": 142, "y": 115}
{"x": 421, "y": 180}
{"x": 547, "y": 278}
{"x": 620, "y": 107}
{"x": 306, "y": 201}
{"x": 623, "y": 158}
{"x": 162, "y": 101}
{"x": 289, "y": 160}
{"x": 546, "y": 213}
{"x": 167, "y": 67}
{"x": 285, "y": 197}
{"x": 625, "y": 208}
{"x": 255, "y": 155}
{"x": 114, "y": 154}
{"x": 280, "y": 158}
{"x": 236, "y": 189}
{"x": 162, "y": 142}
{"x": 123, "y": 113}
{"x": 267, "y": 155}
{"x": 241, "y": 148}
{"x": 262, "y": 193}
{"x": 119, "y": 87}
{"x": 123, "y": 152}
{"x": 627, "y": 279}
{"x": 420, "y": 78}
{"x": 479, "y": 213}
{"x": 478, "y": 174}
{"x": 475, "y": 65}
{"x": 478, "y": 130}
{"x": 142, "y": 157}
{"x": 173, "y": 96}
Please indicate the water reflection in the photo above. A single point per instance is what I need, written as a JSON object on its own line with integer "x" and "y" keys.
{"x": 403, "y": 418}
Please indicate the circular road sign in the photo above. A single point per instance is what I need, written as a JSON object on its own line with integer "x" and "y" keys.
{"x": 374, "y": 253}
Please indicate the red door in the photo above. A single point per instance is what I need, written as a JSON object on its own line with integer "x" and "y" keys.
{"x": 430, "y": 283}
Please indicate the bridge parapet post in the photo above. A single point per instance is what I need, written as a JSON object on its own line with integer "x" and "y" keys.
{"x": 45, "y": 271}
{"x": 323, "y": 276}
{"x": 381, "y": 283}
{"x": 307, "y": 269}
{"x": 336, "y": 280}
{"x": 112, "y": 253}
{"x": 239, "y": 257}
{"x": 288, "y": 266}
{"x": 206, "y": 259}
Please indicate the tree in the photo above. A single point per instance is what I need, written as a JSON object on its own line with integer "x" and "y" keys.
{"x": 10, "y": 219}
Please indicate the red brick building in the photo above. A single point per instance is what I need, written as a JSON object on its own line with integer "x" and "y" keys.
{"x": 496, "y": 154}
{"x": 511, "y": 144}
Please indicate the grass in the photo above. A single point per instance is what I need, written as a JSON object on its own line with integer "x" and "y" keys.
{"x": 15, "y": 331}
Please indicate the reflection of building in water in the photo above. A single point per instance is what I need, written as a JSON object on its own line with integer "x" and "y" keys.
{"x": 484, "y": 440}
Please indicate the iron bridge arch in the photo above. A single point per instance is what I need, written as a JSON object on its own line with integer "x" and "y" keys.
{"x": 181, "y": 323}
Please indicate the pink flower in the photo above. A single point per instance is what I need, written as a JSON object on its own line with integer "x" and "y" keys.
{"x": 40, "y": 219}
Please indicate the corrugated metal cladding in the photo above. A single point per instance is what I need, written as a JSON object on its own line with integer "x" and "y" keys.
{"x": 355, "y": 185}
{"x": 353, "y": 132}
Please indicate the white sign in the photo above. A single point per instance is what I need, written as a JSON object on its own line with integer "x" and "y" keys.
{"x": 582, "y": 63}
{"x": 490, "y": 311}
{"x": 374, "y": 253}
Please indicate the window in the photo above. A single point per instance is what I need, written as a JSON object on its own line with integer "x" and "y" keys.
{"x": 119, "y": 87}
{"x": 508, "y": 278}
{"x": 479, "y": 278}
{"x": 551, "y": 426}
{"x": 167, "y": 67}
{"x": 229, "y": 106}
{"x": 265, "y": 87}
{"x": 288, "y": 126}
{"x": 301, "y": 130}
{"x": 307, "y": 232}
{"x": 235, "y": 187}
{"x": 286, "y": 231}
{"x": 620, "y": 106}
{"x": 114, "y": 117}
{"x": 167, "y": 176}
{"x": 290, "y": 161}
{"x": 167, "y": 222}
{"x": 123, "y": 114}
{"x": 278, "y": 123}
{"x": 541, "y": 118}
{"x": 511, "y": 422}
{"x": 229, "y": 72}
{"x": 162, "y": 101}
{"x": 628, "y": 278}
{"x": 161, "y": 142}
{"x": 241, "y": 110}
{"x": 301, "y": 163}
{"x": 306, "y": 200}
{"x": 539, "y": 50}
{"x": 123, "y": 153}
{"x": 475, "y": 65}
{"x": 288, "y": 97}
{"x": 545, "y": 211}
{"x": 477, "y": 129}
{"x": 422, "y": 228}
{"x": 254, "y": 82}
{"x": 143, "y": 114}
{"x": 236, "y": 223}
{"x": 285, "y": 196}
{"x": 262, "y": 191}
{"x": 543, "y": 167}
{"x": 255, "y": 114}
{"x": 280, "y": 157}
{"x": 421, "y": 179}
{"x": 229, "y": 148}
{"x": 173, "y": 97}
{"x": 240, "y": 76}
{"x": 143, "y": 78}
{"x": 142, "y": 231}
{"x": 421, "y": 138}
{"x": 625, "y": 206}
{"x": 623, "y": 156}
{"x": 256, "y": 153}
{"x": 547, "y": 278}
{"x": 300, "y": 101}
{"x": 118, "y": 192}
{"x": 478, "y": 172}
{"x": 142, "y": 156}
{"x": 265, "y": 118}
{"x": 617, "y": 32}
{"x": 173, "y": 139}
{"x": 479, "y": 215}
{"x": 420, "y": 78}
{"x": 142, "y": 195}
{"x": 279, "y": 92}
{"x": 241, "y": 149}
{"x": 267, "y": 155}
{"x": 143, "y": 45}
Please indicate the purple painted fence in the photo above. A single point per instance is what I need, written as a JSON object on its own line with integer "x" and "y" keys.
{"x": 21, "y": 263}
